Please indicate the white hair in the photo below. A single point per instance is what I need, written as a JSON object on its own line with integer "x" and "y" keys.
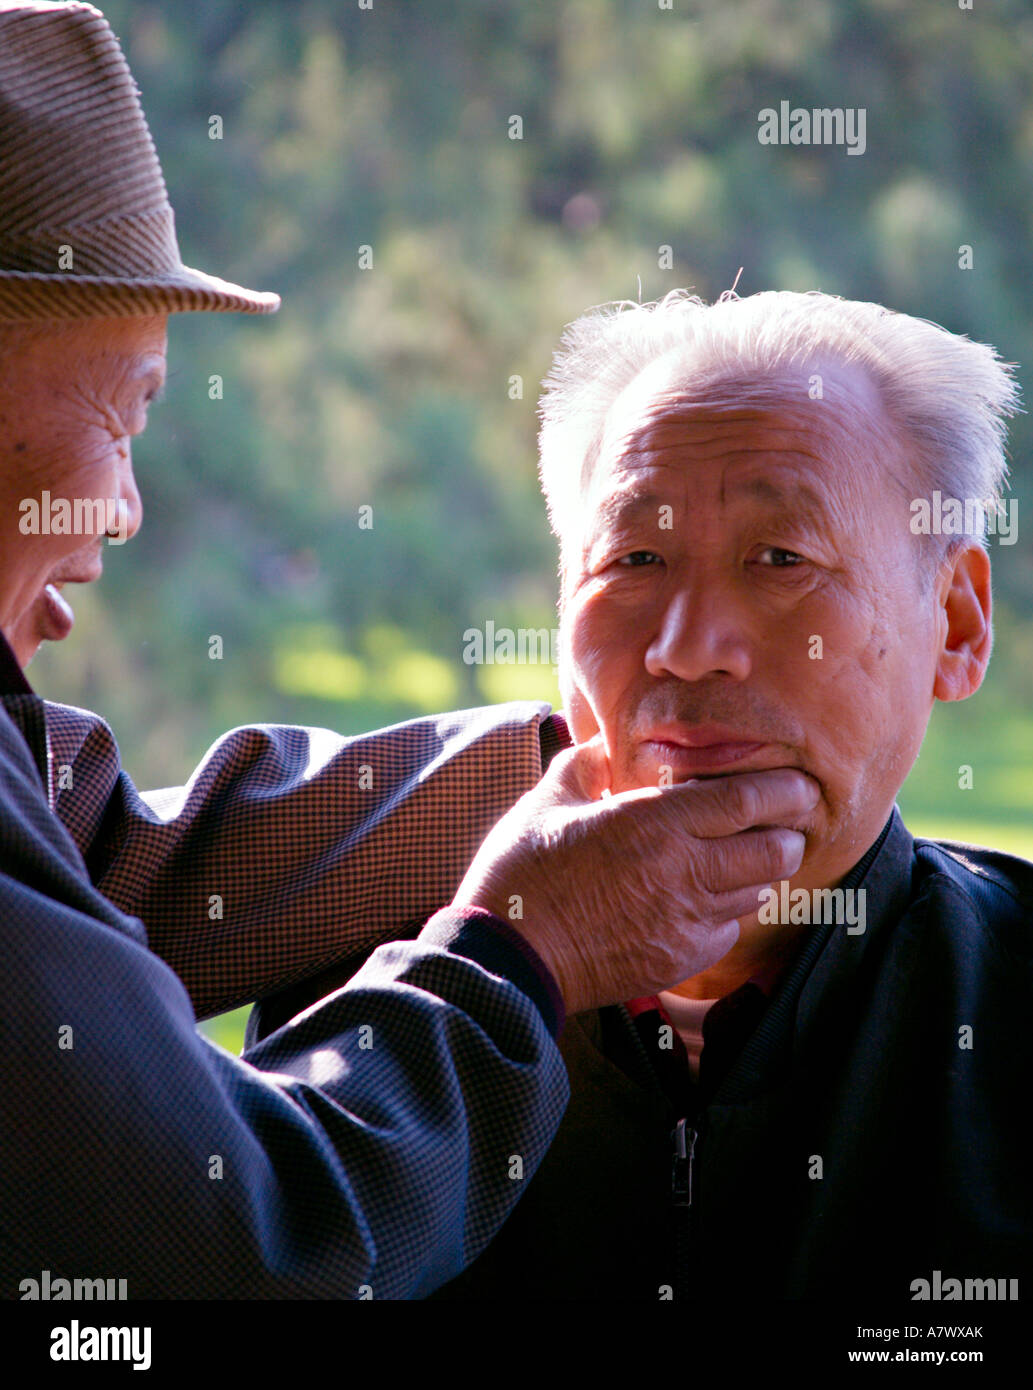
{"x": 946, "y": 394}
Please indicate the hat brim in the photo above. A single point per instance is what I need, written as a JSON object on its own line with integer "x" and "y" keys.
{"x": 27, "y": 295}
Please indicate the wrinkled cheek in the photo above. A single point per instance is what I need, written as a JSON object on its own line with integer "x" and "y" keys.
{"x": 89, "y": 472}
{"x": 818, "y": 668}
{"x": 877, "y": 732}
{"x": 93, "y": 474}
{"x": 900, "y": 681}
{"x": 588, "y": 666}
{"x": 576, "y": 682}
{"x": 892, "y": 667}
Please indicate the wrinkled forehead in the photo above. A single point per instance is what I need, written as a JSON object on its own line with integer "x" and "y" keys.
{"x": 825, "y": 418}
{"x": 87, "y": 354}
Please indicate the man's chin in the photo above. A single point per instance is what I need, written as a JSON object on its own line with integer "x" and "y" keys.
{"x": 24, "y": 648}
{"x": 48, "y": 618}
{"x": 25, "y": 641}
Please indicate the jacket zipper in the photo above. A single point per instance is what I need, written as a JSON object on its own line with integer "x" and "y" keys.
{"x": 684, "y": 1139}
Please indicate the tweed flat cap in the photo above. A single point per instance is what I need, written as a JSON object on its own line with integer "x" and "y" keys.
{"x": 86, "y": 228}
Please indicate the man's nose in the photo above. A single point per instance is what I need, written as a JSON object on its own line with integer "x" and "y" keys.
{"x": 701, "y": 633}
{"x": 130, "y": 504}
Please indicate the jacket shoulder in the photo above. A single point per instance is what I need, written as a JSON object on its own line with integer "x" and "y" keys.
{"x": 998, "y": 888}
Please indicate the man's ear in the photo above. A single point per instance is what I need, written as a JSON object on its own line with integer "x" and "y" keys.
{"x": 963, "y": 590}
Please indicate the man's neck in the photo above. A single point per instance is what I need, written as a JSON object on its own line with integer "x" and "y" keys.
{"x": 760, "y": 949}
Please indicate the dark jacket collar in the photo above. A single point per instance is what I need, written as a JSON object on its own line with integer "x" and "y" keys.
{"x": 27, "y": 711}
{"x": 12, "y": 678}
{"x": 824, "y": 973}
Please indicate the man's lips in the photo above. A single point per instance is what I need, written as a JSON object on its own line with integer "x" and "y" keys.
{"x": 55, "y": 617}
{"x": 691, "y": 749}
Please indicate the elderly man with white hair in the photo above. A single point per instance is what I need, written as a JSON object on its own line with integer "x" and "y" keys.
{"x": 837, "y": 1108}
{"x": 372, "y": 1147}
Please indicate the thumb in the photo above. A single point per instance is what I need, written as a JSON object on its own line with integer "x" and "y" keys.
{"x": 582, "y": 773}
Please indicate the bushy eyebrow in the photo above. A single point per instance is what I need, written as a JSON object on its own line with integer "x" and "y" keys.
{"x": 150, "y": 373}
{"x": 800, "y": 501}
{"x": 622, "y": 508}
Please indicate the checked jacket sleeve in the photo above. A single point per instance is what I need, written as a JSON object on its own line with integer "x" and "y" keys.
{"x": 291, "y": 849}
{"x": 366, "y": 1149}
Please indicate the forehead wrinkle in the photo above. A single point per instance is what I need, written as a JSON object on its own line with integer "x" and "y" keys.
{"x": 800, "y": 501}
{"x": 854, "y": 411}
{"x": 673, "y": 429}
{"x": 759, "y": 488}
{"x": 826, "y": 442}
{"x": 793, "y": 497}
{"x": 651, "y": 435}
{"x": 778, "y": 432}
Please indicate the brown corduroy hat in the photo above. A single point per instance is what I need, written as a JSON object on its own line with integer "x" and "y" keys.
{"x": 86, "y": 229}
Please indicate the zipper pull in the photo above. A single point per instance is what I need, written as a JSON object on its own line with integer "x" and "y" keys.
{"x": 681, "y": 1167}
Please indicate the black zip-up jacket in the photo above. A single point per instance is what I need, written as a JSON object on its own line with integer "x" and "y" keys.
{"x": 874, "y": 1131}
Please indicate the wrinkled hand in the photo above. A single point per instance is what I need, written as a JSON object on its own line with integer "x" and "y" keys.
{"x": 628, "y": 894}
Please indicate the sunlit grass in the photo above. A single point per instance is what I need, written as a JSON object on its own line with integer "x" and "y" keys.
{"x": 228, "y": 1029}
{"x": 1012, "y": 839}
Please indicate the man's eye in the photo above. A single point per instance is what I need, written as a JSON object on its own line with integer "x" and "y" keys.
{"x": 781, "y": 559}
{"x": 638, "y": 557}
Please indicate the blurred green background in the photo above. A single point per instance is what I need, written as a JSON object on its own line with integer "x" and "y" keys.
{"x": 392, "y": 386}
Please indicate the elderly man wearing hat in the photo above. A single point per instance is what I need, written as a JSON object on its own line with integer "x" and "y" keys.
{"x": 372, "y": 1146}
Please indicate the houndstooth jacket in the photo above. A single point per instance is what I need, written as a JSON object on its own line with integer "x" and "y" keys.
{"x": 364, "y": 1150}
